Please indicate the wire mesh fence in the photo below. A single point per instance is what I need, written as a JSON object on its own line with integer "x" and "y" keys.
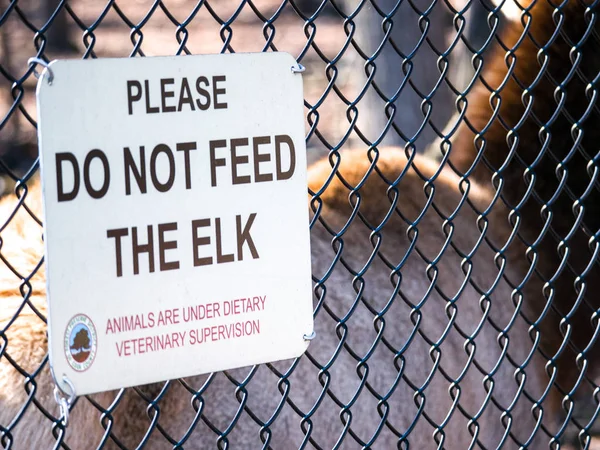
{"x": 454, "y": 227}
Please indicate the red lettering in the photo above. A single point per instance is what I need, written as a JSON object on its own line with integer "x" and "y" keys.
{"x": 149, "y": 343}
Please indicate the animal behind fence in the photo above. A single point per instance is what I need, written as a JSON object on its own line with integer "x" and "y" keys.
{"x": 453, "y": 294}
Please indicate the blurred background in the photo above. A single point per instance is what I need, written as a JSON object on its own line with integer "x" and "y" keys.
{"x": 377, "y": 72}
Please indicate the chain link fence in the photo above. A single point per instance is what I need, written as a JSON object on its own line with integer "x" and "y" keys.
{"x": 454, "y": 227}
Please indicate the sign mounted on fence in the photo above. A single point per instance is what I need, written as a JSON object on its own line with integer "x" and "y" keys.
{"x": 176, "y": 218}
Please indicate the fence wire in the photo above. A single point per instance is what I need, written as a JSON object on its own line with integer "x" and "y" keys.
{"x": 454, "y": 226}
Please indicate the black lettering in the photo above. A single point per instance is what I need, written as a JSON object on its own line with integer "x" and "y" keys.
{"x": 198, "y": 241}
{"x": 244, "y": 236}
{"x": 185, "y": 95}
{"x": 217, "y": 92}
{"x": 139, "y": 172}
{"x": 186, "y": 147}
{"x": 214, "y": 161}
{"x": 221, "y": 258}
{"x": 96, "y": 153}
{"x": 138, "y": 249}
{"x": 235, "y": 160}
{"x": 164, "y": 94}
{"x": 261, "y": 157}
{"x": 117, "y": 234}
{"x": 203, "y": 92}
{"x": 62, "y": 195}
{"x": 163, "y": 246}
{"x": 281, "y": 175}
{"x": 131, "y": 97}
{"x": 149, "y": 109}
{"x": 162, "y": 187}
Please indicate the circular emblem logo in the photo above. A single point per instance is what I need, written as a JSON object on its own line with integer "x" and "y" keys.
{"x": 80, "y": 342}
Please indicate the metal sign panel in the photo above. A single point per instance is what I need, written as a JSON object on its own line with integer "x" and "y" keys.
{"x": 176, "y": 219}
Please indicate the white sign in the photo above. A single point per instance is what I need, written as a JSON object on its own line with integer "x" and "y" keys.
{"x": 176, "y": 216}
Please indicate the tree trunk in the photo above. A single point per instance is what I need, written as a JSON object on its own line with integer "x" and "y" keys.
{"x": 417, "y": 64}
{"x": 58, "y": 33}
